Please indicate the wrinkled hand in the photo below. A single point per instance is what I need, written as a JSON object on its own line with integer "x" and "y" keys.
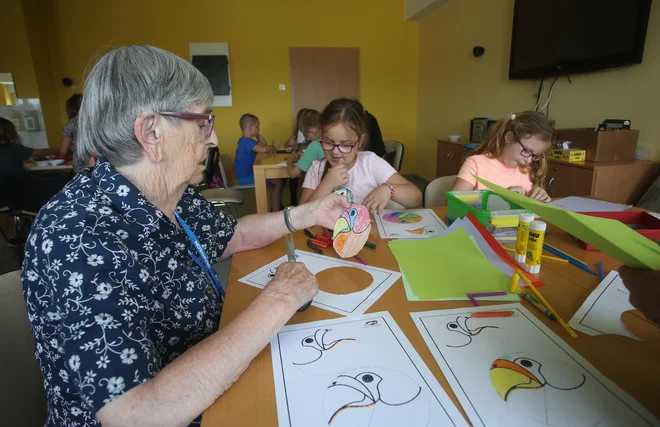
{"x": 337, "y": 176}
{"x": 327, "y": 210}
{"x": 517, "y": 189}
{"x": 540, "y": 194}
{"x": 294, "y": 282}
{"x": 377, "y": 199}
{"x": 644, "y": 287}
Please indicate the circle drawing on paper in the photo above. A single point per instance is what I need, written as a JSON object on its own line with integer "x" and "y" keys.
{"x": 344, "y": 280}
{"x": 402, "y": 217}
{"x": 375, "y": 396}
{"x": 547, "y": 391}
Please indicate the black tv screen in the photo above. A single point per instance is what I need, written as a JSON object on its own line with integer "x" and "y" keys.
{"x": 554, "y": 37}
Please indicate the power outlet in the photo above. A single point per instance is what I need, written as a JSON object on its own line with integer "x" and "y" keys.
{"x": 282, "y": 86}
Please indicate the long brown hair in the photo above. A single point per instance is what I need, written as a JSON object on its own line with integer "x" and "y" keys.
{"x": 349, "y": 112}
{"x": 523, "y": 125}
{"x": 8, "y": 133}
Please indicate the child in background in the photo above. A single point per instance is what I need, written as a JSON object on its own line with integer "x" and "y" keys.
{"x": 371, "y": 180}
{"x": 246, "y": 153}
{"x": 298, "y": 136}
{"x": 299, "y": 161}
{"x": 512, "y": 156}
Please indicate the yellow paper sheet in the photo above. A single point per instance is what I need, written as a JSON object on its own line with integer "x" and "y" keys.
{"x": 607, "y": 235}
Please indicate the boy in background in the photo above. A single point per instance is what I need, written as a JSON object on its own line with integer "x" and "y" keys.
{"x": 246, "y": 153}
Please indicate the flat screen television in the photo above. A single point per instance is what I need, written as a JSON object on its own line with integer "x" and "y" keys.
{"x": 555, "y": 37}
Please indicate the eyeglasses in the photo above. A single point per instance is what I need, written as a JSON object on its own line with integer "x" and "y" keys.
{"x": 526, "y": 152}
{"x": 209, "y": 119}
{"x": 343, "y": 148}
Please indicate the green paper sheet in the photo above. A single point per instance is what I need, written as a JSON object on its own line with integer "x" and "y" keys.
{"x": 447, "y": 267}
{"x": 607, "y": 235}
{"x": 412, "y": 297}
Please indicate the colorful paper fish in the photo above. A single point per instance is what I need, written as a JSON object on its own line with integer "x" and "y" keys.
{"x": 351, "y": 231}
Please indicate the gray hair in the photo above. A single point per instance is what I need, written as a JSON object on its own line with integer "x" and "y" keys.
{"x": 129, "y": 81}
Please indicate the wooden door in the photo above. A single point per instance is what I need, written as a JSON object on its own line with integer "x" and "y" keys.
{"x": 319, "y": 75}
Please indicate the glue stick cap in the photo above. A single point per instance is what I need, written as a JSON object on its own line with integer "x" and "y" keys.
{"x": 538, "y": 226}
{"x": 526, "y": 217}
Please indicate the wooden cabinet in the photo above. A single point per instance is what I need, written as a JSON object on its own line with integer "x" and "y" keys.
{"x": 617, "y": 182}
{"x": 451, "y": 156}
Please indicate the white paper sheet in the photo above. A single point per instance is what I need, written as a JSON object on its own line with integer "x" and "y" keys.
{"x": 581, "y": 204}
{"x": 282, "y": 164}
{"x": 419, "y": 224}
{"x": 353, "y": 304}
{"x": 601, "y": 312}
{"x": 514, "y": 371}
{"x": 355, "y": 372}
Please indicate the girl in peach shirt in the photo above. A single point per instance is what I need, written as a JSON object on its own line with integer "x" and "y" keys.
{"x": 512, "y": 156}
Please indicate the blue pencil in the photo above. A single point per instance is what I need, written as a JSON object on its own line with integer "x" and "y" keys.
{"x": 579, "y": 264}
{"x": 600, "y": 270}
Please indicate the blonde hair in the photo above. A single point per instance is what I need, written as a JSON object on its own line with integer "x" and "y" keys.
{"x": 523, "y": 125}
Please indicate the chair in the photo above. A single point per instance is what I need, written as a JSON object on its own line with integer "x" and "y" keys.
{"x": 22, "y": 392}
{"x": 229, "y": 175}
{"x": 219, "y": 197}
{"x": 434, "y": 193}
{"x": 394, "y": 154}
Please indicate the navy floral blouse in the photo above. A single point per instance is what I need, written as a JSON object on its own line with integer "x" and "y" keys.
{"x": 112, "y": 294}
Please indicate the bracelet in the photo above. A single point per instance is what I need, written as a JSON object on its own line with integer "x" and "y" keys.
{"x": 287, "y": 219}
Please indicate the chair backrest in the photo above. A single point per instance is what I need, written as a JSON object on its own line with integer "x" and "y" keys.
{"x": 33, "y": 189}
{"x": 434, "y": 193}
{"x": 395, "y": 154}
{"x": 22, "y": 392}
{"x": 227, "y": 170}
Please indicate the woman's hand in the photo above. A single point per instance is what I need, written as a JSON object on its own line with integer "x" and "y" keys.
{"x": 540, "y": 194}
{"x": 336, "y": 177}
{"x": 327, "y": 210}
{"x": 377, "y": 199}
{"x": 294, "y": 282}
{"x": 644, "y": 290}
{"x": 517, "y": 189}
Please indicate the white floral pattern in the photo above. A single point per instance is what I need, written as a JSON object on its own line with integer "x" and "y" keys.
{"x": 112, "y": 293}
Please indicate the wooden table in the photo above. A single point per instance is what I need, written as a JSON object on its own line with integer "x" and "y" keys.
{"x": 265, "y": 167}
{"x": 633, "y": 365}
{"x": 29, "y": 166}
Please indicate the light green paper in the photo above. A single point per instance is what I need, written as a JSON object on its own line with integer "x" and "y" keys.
{"x": 412, "y": 297}
{"x": 447, "y": 267}
{"x": 607, "y": 235}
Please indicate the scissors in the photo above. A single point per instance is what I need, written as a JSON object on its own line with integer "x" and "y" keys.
{"x": 291, "y": 257}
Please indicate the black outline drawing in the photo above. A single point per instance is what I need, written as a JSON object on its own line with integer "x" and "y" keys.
{"x": 527, "y": 364}
{"x": 455, "y": 326}
{"x": 317, "y": 343}
{"x": 427, "y": 229}
{"x": 369, "y": 398}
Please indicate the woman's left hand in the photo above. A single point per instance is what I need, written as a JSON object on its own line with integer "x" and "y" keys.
{"x": 327, "y": 210}
{"x": 377, "y": 199}
{"x": 540, "y": 194}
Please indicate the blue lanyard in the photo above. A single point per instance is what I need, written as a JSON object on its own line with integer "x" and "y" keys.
{"x": 203, "y": 259}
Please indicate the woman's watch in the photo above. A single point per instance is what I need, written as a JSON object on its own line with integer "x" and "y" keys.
{"x": 287, "y": 219}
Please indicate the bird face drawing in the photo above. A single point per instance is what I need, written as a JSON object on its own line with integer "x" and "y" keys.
{"x": 320, "y": 345}
{"x": 460, "y": 329}
{"x": 365, "y": 390}
{"x": 351, "y": 231}
{"x": 512, "y": 373}
{"x": 424, "y": 231}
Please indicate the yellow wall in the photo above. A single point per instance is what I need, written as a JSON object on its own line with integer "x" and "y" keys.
{"x": 16, "y": 57}
{"x": 259, "y": 33}
{"x": 454, "y": 86}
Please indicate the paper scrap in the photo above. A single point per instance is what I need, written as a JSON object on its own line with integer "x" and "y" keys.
{"x": 582, "y": 204}
{"x": 447, "y": 267}
{"x": 609, "y": 236}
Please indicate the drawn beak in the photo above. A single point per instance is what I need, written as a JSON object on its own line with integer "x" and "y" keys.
{"x": 341, "y": 226}
{"x": 506, "y": 376}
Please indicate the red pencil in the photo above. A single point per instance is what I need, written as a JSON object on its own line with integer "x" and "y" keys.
{"x": 319, "y": 243}
{"x": 493, "y": 314}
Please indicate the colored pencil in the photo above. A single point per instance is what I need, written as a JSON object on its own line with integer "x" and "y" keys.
{"x": 600, "y": 270}
{"x": 493, "y": 314}
{"x": 543, "y": 301}
{"x": 546, "y": 257}
{"x": 532, "y": 300}
{"x": 515, "y": 279}
{"x": 319, "y": 243}
{"x": 313, "y": 247}
{"x": 576, "y": 262}
{"x": 360, "y": 259}
{"x": 370, "y": 245}
{"x": 309, "y": 234}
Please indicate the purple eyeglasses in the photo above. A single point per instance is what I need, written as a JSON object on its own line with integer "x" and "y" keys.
{"x": 526, "y": 152}
{"x": 209, "y": 118}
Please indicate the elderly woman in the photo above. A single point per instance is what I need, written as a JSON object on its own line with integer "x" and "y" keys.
{"x": 123, "y": 302}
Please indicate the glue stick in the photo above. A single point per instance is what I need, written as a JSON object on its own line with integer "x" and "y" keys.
{"x": 535, "y": 246}
{"x": 521, "y": 242}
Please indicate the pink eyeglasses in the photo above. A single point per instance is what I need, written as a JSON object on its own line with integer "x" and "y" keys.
{"x": 208, "y": 118}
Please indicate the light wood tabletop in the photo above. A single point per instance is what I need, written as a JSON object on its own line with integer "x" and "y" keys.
{"x": 632, "y": 365}
{"x": 265, "y": 167}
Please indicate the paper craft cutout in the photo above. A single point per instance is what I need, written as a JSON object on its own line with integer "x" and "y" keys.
{"x": 582, "y": 204}
{"x": 609, "y": 236}
{"x": 463, "y": 269}
{"x": 602, "y": 310}
{"x": 523, "y": 374}
{"x": 351, "y": 231}
{"x": 377, "y": 380}
{"x": 353, "y": 304}
{"x": 409, "y": 224}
